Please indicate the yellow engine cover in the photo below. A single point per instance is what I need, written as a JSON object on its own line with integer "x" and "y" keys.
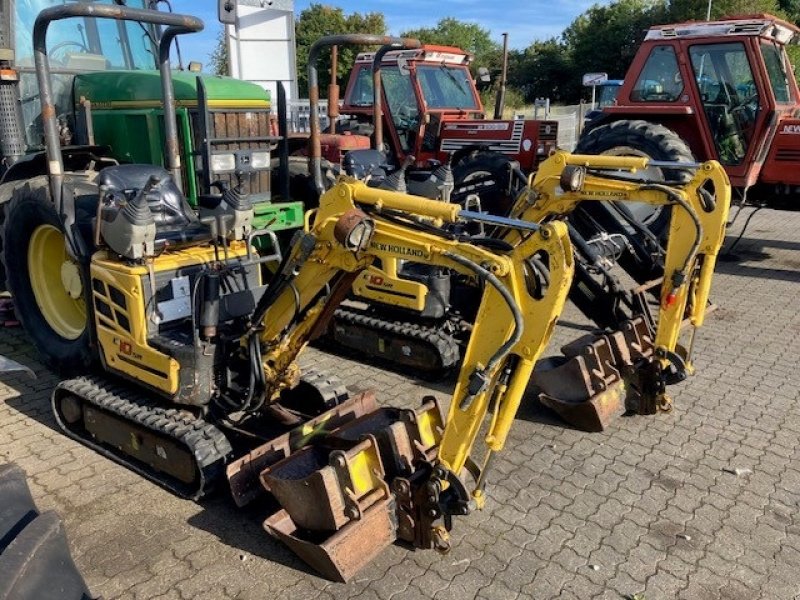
{"x": 120, "y": 291}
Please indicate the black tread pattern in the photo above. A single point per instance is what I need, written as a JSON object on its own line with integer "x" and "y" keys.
{"x": 445, "y": 346}
{"x": 207, "y": 444}
{"x": 657, "y": 141}
{"x": 34, "y": 553}
{"x": 331, "y": 389}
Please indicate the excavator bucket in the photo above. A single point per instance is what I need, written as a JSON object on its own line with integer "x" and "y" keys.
{"x": 337, "y": 509}
{"x": 587, "y": 385}
{"x": 244, "y": 473}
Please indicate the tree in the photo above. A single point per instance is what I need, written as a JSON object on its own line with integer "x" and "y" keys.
{"x": 544, "y": 70}
{"x": 319, "y": 20}
{"x": 606, "y": 38}
{"x": 686, "y": 10}
{"x": 467, "y": 36}
{"x": 220, "y": 61}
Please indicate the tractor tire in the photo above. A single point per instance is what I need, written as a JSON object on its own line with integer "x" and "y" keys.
{"x": 46, "y": 284}
{"x": 492, "y": 171}
{"x": 640, "y": 138}
{"x": 35, "y": 558}
{"x": 301, "y": 183}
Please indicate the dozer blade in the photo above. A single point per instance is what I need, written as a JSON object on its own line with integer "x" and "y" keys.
{"x": 243, "y": 474}
{"x": 586, "y": 387}
{"x": 338, "y": 512}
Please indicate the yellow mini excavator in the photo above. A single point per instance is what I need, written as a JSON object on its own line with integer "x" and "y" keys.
{"x": 635, "y": 352}
{"x": 197, "y": 374}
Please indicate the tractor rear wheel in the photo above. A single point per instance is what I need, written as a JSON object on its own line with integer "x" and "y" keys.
{"x": 641, "y": 138}
{"x": 45, "y": 282}
{"x": 486, "y": 174}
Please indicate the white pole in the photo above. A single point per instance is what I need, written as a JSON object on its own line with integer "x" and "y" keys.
{"x": 708, "y": 12}
{"x": 594, "y": 87}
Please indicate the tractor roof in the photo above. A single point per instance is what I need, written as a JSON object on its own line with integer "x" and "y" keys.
{"x": 763, "y": 25}
{"x": 427, "y": 53}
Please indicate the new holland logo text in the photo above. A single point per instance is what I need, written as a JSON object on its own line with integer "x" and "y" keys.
{"x": 400, "y": 250}
{"x": 791, "y": 129}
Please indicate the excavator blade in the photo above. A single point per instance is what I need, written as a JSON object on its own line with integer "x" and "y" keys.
{"x": 586, "y": 386}
{"x": 337, "y": 508}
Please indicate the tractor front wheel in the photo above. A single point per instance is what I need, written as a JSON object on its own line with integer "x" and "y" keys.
{"x": 487, "y": 175}
{"x": 650, "y": 140}
{"x": 47, "y": 285}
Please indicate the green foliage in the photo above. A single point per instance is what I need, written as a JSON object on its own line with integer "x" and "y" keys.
{"x": 605, "y": 38}
{"x": 219, "y": 59}
{"x": 545, "y": 70}
{"x": 686, "y": 10}
{"x": 468, "y": 36}
{"x": 319, "y": 20}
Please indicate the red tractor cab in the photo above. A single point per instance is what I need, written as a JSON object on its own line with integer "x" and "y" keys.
{"x": 719, "y": 90}
{"x": 433, "y": 112}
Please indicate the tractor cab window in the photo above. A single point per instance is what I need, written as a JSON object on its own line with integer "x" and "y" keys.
{"x": 660, "y": 79}
{"x": 729, "y": 95}
{"x": 776, "y": 70}
{"x": 402, "y": 101}
{"x": 80, "y": 44}
{"x": 361, "y": 92}
{"x": 445, "y": 86}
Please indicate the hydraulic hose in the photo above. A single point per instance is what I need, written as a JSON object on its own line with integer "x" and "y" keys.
{"x": 676, "y": 198}
{"x": 479, "y": 378}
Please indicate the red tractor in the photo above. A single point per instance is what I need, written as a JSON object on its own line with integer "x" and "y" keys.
{"x": 719, "y": 90}
{"x": 431, "y": 111}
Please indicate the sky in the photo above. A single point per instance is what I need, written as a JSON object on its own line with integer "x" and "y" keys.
{"x": 523, "y": 20}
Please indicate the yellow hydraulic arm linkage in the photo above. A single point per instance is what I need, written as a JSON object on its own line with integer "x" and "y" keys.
{"x": 398, "y": 473}
{"x": 699, "y": 211}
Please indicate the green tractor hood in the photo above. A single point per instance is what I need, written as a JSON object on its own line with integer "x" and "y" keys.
{"x": 142, "y": 89}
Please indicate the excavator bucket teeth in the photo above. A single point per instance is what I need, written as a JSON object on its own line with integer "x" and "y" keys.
{"x": 337, "y": 509}
{"x": 243, "y": 474}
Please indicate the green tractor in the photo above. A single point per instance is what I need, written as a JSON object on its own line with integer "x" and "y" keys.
{"x": 217, "y": 137}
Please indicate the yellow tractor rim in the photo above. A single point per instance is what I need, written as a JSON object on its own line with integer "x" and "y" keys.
{"x": 56, "y": 284}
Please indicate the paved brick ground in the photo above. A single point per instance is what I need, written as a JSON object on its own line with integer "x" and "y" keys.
{"x": 647, "y": 509}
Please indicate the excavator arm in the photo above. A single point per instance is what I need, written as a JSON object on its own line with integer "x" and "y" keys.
{"x": 699, "y": 212}
{"x": 357, "y": 478}
{"x": 400, "y": 473}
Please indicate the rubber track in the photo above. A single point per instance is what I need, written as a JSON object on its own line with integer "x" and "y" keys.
{"x": 331, "y": 389}
{"x": 445, "y": 346}
{"x": 209, "y": 446}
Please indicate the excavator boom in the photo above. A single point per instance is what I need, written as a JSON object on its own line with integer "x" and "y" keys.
{"x": 390, "y": 465}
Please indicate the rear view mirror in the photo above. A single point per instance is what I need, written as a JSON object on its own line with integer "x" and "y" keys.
{"x": 226, "y": 11}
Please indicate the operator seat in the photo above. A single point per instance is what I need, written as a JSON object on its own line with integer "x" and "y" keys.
{"x": 176, "y": 221}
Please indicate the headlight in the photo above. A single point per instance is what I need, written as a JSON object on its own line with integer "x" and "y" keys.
{"x": 221, "y": 163}
{"x": 259, "y": 160}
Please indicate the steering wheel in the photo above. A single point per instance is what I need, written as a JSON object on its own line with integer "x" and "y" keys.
{"x": 66, "y": 44}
